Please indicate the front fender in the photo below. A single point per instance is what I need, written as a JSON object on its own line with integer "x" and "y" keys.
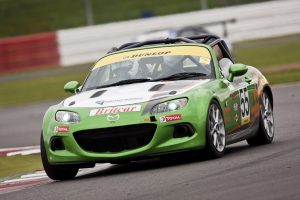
{"x": 49, "y": 115}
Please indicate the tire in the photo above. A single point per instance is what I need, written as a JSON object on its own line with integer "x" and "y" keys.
{"x": 215, "y": 131}
{"x": 56, "y": 172}
{"x": 120, "y": 162}
{"x": 265, "y": 133}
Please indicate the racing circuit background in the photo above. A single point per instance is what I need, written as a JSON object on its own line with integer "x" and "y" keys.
{"x": 33, "y": 69}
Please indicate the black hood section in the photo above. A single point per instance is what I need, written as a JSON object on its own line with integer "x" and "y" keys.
{"x": 72, "y": 103}
{"x": 97, "y": 94}
{"x": 156, "y": 87}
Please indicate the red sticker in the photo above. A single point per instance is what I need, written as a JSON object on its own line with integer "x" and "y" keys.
{"x": 61, "y": 129}
{"x": 170, "y": 118}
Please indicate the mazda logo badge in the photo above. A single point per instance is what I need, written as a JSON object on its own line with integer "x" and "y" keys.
{"x": 113, "y": 117}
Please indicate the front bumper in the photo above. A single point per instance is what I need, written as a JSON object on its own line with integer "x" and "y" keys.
{"x": 163, "y": 140}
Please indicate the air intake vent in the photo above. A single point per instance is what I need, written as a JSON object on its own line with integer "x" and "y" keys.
{"x": 97, "y": 94}
{"x": 115, "y": 139}
{"x": 156, "y": 87}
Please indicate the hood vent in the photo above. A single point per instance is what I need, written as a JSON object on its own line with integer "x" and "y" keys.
{"x": 156, "y": 87}
{"x": 97, "y": 94}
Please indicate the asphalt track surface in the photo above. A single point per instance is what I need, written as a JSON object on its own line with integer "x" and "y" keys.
{"x": 21, "y": 125}
{"x": 263, "y": 172}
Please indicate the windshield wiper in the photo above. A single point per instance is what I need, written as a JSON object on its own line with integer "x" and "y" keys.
{"x": 179, "y": 76}
{"x": 123, "y": 82}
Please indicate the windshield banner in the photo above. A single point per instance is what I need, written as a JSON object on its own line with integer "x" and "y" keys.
{"x": 155, "y": 52}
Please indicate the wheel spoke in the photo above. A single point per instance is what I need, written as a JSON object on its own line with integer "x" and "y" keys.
{"x": 215, "y": 139}
{"x": 220, "y": 139}
{"x": 267, "y": 105}
{"x": 217, "y": 116}
{"x": 267, "y": 128}
{"x": 270, "y": 120}
{"x": 217, "y": 143}
{"x": 212, "y": 131}
{"x": 265, "y": 123}
{"x": 214, "y": 114}
{"x": 264, "y": 98}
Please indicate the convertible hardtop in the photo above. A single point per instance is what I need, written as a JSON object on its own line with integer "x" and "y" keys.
{"x": 218, "y": 45}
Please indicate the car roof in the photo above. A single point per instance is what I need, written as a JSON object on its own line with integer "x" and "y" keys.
{"x": 205, "y": 39}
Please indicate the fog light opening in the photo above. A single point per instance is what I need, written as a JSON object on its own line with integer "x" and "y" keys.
{"x": 56, "y": 143}
{"x": 183, "y": 130}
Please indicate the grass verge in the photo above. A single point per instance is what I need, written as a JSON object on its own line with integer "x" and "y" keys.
{"x": 286, "y": 77}
{"x": 18, "y": 165}
{"x": 269, "y": 52}
{"x": 36, "y": 89}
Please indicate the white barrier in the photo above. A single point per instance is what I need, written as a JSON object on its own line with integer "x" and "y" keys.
{"x": 259, "y": 20}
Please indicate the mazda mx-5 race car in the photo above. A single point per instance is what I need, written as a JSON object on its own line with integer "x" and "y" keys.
{"x": 153, "y": 98}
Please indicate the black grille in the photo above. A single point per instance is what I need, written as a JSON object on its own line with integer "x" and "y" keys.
{"x": 115, "y": 139}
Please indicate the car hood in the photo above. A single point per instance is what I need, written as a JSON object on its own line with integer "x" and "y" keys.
{"x": 131, "y": 93}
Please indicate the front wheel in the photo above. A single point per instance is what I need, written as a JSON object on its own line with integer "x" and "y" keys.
{"x": 56, "y": 172}
{"x": 265, "y": 133}
{"x": 215, "y": 131}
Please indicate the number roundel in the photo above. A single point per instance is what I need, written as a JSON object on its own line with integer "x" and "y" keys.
{"x": 245, "y": 106}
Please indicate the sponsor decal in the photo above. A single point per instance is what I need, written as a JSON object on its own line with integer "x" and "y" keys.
{"x": 61, "y": 129}
{"x": 226, "y": 103}
{"x": 146, "y": 119}
{"x": 235, "y": 107}
{"x": 234, "y": 95}
{"x": 154, "y": 52}
{"x": 147, "y": 54}
{"x": 113, "y": 117}
{"x": 236, "y": 117}
{"x": 204, "y": 60}
{"x": 231, "y": 88}
{"x": 244, "y": 106}
{"x": 170, "y": 118}
{"x": 242, "y": 85}
{"x": 115, "y": 109}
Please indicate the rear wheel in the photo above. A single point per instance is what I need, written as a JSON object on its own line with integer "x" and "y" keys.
{"x": 265, "y": 133}
{"x": 215, "y": 131}
{"x": 56, "y": 172}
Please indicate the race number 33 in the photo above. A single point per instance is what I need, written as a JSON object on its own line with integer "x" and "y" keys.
{"x": 245, "y": 106}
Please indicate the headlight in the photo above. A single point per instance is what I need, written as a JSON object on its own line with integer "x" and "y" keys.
{"x": 65, "y": 116}
{"x": 169, "y": 106}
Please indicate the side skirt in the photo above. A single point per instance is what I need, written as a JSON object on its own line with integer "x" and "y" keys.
{"x": 243, "y": 133}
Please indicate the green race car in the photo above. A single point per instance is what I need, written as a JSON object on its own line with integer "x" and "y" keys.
{"x": 154, "y": 98}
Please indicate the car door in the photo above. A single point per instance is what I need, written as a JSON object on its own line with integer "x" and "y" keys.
{"x": 243, "y": 101}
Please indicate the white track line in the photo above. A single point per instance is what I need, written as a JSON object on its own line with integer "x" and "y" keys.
{"x": 24, "y": 152}
{"x": 43, "y": 174}
{"x": 24, "y": 179}
{"x": 18, "y": 148}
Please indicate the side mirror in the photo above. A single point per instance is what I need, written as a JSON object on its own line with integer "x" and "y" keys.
{"x": 237, "y": 70}
{"x": 71, "y": 86}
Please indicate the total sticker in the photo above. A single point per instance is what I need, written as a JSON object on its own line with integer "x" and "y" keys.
{"x": 61, "y": 129}
{"x": 170, "y": 118}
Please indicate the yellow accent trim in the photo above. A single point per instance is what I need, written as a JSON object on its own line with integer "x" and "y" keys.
{"x": 155, "y": 52}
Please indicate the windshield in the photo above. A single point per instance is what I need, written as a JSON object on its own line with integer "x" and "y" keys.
{"x": 164, "y": 63}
